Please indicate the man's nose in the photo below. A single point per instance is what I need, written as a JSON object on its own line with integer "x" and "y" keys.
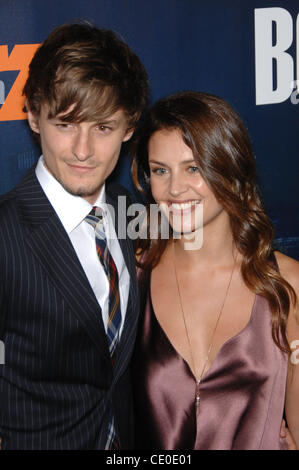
{"x": 82, "y": 145}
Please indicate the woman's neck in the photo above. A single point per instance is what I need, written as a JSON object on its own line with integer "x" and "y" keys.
{"x": 216, "y": 249}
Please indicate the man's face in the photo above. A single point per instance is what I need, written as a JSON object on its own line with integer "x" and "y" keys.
{"x": 81, "y": 155}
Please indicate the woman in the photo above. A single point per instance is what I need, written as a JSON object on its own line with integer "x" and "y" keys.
{"x": 211, "y": 365}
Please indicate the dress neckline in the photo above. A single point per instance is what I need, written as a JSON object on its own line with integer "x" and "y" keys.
{"x": 229, "y": 341}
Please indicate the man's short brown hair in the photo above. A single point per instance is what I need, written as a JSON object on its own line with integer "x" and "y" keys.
{"x": 86, "y": 70}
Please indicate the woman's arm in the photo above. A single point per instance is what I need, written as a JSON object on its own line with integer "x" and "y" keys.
{"x": 289, "y": 269}
{"x": 285, "y": 434}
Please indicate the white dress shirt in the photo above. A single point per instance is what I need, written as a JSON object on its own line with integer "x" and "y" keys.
{"x": 72, "y": 211}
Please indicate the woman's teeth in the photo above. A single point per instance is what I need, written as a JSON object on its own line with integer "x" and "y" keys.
{"x": 184, "y": 205}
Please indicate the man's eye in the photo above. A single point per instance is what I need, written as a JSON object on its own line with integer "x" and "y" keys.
{"x": 63, "y": 125}
{"x": 103, "y": 128}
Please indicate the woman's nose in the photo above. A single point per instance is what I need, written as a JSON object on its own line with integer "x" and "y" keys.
{"x": 177, "y": 185}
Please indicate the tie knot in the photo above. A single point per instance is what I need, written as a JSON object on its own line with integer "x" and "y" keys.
{"x": 95, "y": 216}
{"x": 96, "y": 212}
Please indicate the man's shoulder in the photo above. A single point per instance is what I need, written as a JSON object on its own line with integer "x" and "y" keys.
{"x": 10, "y": 200}
{"x": 7, "y": 201}
{"x": 9, "y": 217}
{"x": 115, "y": 189}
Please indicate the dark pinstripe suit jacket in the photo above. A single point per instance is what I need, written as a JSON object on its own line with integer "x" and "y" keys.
{"x": 57, "y": 379}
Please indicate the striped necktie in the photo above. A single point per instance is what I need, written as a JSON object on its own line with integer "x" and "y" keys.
{"x": 95, "y": 218}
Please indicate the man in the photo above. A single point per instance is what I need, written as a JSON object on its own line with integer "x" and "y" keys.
{"x": 68, "y": 291}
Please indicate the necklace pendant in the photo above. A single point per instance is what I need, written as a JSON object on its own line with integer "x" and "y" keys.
{"x": 197, "y": 396}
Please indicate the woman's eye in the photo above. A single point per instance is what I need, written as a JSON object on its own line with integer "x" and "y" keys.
{"x": 158, "y": 171}
{"x": 193, "y": 169}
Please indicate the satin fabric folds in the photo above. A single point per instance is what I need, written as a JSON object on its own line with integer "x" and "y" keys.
{"x": 241, "y": 395}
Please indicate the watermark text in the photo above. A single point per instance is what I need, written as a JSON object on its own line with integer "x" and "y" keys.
{"x": 157, "y": 221}
{"x": 2, "y": 353}
{"x": 295, "y": 354}
{"x": 2, "y": 92}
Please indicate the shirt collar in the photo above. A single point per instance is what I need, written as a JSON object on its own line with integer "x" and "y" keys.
{"x": 70, "y": 209}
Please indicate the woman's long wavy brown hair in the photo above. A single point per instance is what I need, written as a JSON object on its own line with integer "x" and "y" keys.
{"x": 222, "y": 149}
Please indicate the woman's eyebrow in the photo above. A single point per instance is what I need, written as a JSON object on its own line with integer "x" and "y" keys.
{"x": 184, "y": 162}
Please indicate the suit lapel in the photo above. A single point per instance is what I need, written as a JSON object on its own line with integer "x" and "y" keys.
{"x": 52, "y": 247}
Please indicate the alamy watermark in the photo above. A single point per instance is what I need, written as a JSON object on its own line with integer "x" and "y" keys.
{"x": 295, "y": 92}
{"x": 156, "y": 221}
{"x": 2, "y": 92}
{"x": 2, "y": 353}
{"x": 295, "y": 354}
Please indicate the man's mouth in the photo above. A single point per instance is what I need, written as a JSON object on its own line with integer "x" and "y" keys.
{"x": 81, "y": 169}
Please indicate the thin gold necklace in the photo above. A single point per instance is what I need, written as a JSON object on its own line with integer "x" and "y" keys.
{"x": 198, "y": 380}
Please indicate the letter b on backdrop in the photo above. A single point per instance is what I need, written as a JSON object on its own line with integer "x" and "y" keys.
{"x": 273, "y": 37}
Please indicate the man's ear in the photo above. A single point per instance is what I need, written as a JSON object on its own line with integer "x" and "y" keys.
{"x": 33, "y": 120}
{"x": 129, "y": 134}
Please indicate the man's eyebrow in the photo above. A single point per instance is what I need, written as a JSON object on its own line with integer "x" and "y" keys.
{"x": 112, "y": 122}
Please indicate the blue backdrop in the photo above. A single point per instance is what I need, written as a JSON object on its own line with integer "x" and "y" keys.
{"x": 242, "y": 50}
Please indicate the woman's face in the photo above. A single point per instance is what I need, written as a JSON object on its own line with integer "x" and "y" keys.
{"x": 177, "y": 185}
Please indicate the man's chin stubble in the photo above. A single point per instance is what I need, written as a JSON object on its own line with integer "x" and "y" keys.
{"x": 81, "y": 191}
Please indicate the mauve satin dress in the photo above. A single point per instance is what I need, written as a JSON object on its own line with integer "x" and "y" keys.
{"x": 241, "y": 396}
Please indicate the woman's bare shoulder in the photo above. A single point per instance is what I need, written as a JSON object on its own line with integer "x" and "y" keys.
{"x": 289, "y": 269}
